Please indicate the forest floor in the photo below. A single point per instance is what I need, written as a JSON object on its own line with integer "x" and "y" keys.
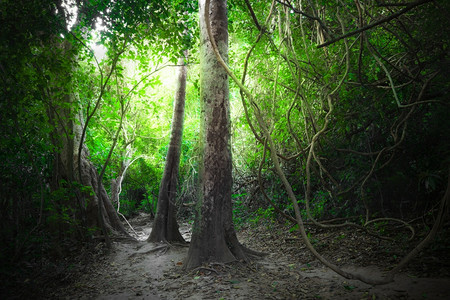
{"x": 141, "y": 270}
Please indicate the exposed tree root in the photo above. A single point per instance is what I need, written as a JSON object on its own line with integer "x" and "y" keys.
{"x": 252, "y": 253}
{"x": 405, "y": 224}
{"x": 162, "y": 248}
{"x": 206, "y": 269}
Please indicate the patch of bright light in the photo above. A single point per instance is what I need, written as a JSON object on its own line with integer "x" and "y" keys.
{"x": 71, "y": 12}
{"x": 97, "y": 47}
{"x": 99, "y": 25}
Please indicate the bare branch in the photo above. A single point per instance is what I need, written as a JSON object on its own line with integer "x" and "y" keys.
{"x": 252, "y": 13}
{"x": 371, "y": 25}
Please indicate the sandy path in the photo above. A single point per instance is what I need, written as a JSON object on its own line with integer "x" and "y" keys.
{"x": 144, "y": 270}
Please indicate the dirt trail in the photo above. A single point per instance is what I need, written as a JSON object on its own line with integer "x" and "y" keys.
{"x": 143, "y": 270}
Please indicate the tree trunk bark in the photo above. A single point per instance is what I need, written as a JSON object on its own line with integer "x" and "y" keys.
{"x": 92, "y": 195}
{"x": 165, "y": 226}
{"x": 214, "y": 238}
{"x": 90, "y": 178}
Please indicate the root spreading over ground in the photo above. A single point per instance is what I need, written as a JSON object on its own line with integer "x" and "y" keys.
{"x": 141, "y": 270}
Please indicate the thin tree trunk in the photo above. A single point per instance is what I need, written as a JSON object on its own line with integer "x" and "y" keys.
{"x": 165, "y": 226}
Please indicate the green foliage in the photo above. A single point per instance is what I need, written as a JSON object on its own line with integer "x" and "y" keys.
{"x": 127, "y": 207}
{"x": 365, "y": 118}
{"x": 49, "y": 75}
{"x": 262, "y": 215}
{"x": 321, "y": 198}
{"x": 149, "y": 204}
{"x": 140, "y": 188}
{"x": 239, "y": 209}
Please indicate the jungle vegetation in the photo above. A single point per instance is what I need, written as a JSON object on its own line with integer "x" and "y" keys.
{"x": 338, "y": 116}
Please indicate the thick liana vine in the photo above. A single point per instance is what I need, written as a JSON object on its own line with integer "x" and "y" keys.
{"x": 270, "y": 145}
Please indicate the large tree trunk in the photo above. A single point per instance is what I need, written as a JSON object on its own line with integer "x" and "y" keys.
{"x": 88, "y": 201}
{"x": 165, "y": 226}
{"x": 214, "y": 238}
{"x": 91, "y": 198}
